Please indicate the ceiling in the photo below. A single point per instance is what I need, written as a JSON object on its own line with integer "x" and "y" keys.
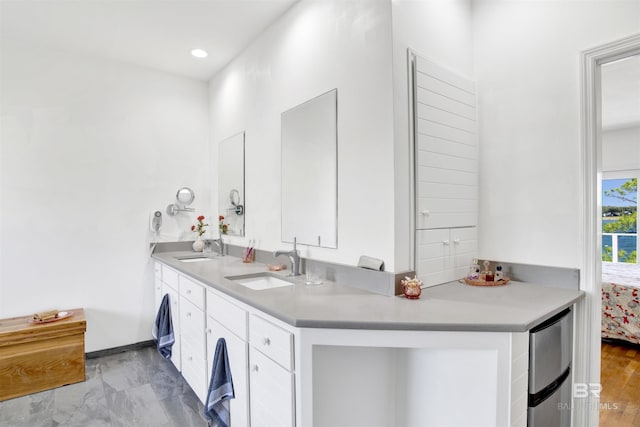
{"x": 150, "y": 33}
{"x": 160, "y": 34}
{"x": 621, "y": 93}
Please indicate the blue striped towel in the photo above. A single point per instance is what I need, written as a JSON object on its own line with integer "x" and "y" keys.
{"x": 163, "y": 328}
{"x": 216, "y": 408}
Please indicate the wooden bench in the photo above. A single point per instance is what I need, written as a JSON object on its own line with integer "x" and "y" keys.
{"x": 37, "y": 357}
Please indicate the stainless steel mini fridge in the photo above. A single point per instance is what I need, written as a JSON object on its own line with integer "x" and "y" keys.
{"x": 550, "y": 354}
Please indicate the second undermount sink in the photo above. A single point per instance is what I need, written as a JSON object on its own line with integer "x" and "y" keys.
{"x": 260, "y": 281}
{"x": 194, "y": 258}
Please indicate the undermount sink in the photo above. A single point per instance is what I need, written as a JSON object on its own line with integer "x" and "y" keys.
{"x": 194, "y": 258}
{"x": 260, "y": 281}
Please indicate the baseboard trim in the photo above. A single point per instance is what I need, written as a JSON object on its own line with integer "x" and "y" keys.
{"x": 121, "y": 349}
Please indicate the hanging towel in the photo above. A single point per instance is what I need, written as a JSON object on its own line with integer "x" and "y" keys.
{"x": 216, "y": 408}
{"x": 163, "y": 328}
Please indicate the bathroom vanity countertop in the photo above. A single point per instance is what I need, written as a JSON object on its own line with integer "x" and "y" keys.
{"x": 453, "y": 306}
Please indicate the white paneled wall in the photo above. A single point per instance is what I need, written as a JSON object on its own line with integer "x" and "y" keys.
{"x": 446, "y": 165}
{"x": 446, "y": 148}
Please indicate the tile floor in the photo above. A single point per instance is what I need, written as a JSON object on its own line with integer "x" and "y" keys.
{"x": 134, "y": 388}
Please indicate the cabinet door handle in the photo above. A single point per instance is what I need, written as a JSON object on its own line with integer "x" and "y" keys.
{"x": 209, "y": 331}
{"x": 425, "y": 213}
{"x": 445, "y": 242}
{"x": 266, "y": 341}
{"x": 189, "y": 314}
{"x": 188, "y": 291}
{"x": 456, "y": 240}
{"x": 254, "y": 368}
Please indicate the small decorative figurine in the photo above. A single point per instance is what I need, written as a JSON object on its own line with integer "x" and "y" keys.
{"x": 412, "y": 288}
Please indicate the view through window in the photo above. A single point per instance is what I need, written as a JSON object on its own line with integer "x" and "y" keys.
{"x": 620, "y": 220}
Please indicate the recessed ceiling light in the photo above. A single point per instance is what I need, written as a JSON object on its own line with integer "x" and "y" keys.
{"x": 199, "y": 53}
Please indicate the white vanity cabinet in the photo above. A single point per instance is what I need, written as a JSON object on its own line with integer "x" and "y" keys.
{"x": 271, "y": 374}
{"x": 260, "y": 350}
{"x": 227, "y": 320}
{"x": 444, "y": 255}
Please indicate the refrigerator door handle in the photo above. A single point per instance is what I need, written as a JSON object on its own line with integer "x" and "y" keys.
{"x": 542, "y": 395}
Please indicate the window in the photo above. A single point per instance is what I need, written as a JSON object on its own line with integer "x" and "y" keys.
{"x": 620, "y": 218}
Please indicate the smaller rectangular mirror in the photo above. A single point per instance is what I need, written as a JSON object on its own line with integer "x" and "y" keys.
{"x": 310, "y": 172}
{"x": 231, "y": 203}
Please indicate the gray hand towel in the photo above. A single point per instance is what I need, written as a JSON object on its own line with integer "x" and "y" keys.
{"x": 216, "y": 408}
{"x": 163, "y": 328}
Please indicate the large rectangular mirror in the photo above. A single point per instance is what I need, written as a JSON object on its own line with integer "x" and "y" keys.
{"x": 231, "y": 184}
{"x": 310, "y": 172}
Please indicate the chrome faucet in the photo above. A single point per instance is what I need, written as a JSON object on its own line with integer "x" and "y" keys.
{"x": 219, "y": 243}
{"x": 294, "y": 257}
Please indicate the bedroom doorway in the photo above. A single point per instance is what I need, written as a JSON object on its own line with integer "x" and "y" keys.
{"x": 620, "y": 324}
{"x": 588, "y": 312}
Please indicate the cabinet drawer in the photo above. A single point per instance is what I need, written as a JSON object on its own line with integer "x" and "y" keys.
{"x": 174, "y": 300}
{"x": 228, "y": 314}
{"x": 194, "y": 370}
{"x": 238, "y": 353}
{"x": 272, "y": 392}
{"x": 272, "y": 340}
{"x": 158, "y": 294}
{"x": 192, "y": 324}
{"x": 193, "y": 291}
{"x": 158, "y": 270}
{"x": 170, "y": 277}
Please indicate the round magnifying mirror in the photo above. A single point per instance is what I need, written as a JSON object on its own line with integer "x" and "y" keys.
{"x": 234, "y": 197}
{"x": 185, "y": 196}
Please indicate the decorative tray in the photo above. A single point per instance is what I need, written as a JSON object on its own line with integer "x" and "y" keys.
{"x": 500, "y": 282}
{"x": 61, "y": 315}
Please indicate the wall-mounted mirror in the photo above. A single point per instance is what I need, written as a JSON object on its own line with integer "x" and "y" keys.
{"x": 310, "y": 172}
{"x": 231, "y": 203}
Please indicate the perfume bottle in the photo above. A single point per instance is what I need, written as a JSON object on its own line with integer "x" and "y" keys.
{"x": 486, "y": 274}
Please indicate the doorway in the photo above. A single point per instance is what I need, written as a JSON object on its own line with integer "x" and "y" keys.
{"x": 588, "y": 313}
{"x": 620, "y": 326}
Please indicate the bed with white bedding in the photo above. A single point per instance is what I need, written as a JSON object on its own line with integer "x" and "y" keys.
{"x": 621, "y": 301}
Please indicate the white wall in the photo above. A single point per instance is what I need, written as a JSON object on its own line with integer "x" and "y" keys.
{"x": 527, "y": 68}
{"x": 317, "y": 46}
{"x": 88, "y": 149}
{"x": 439, "y": 30}
{"x": 621, "y": 149}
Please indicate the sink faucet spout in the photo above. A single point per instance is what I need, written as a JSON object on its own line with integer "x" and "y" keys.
{"x": 219, "y": 243}
{"x": 294, "y": 257}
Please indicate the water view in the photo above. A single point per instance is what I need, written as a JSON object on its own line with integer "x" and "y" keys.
{"x": 620, "y": 220}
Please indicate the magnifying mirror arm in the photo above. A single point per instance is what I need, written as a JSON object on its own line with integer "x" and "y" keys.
{"x": 173, "y": 209}
{"x": 238, "y": 209}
